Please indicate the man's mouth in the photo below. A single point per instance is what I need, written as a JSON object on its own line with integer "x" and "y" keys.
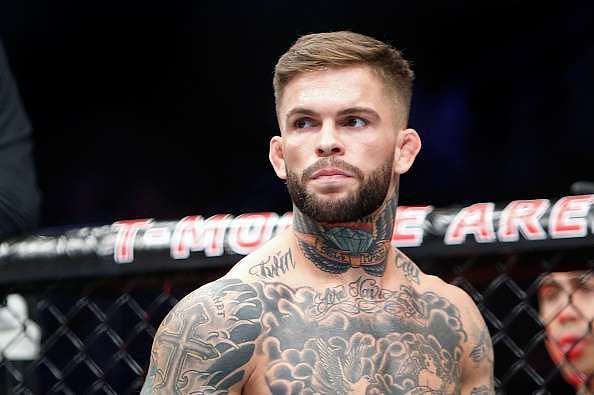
{"x": 330, "y": 173}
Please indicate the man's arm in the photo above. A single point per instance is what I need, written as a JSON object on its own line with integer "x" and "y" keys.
{"x": 207, "y": 341}
{"x": 478, "y": 358}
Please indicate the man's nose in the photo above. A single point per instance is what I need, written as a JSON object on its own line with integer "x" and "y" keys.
{"x": 329, "y": 142}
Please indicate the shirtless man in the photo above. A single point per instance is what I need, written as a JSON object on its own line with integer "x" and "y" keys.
{"x": 328, "y": 307}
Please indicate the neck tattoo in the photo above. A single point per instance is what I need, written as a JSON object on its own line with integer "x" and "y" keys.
{"x": 335, "y": 248}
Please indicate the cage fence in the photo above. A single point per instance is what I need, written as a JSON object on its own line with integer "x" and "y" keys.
{"x": 80, "y": 307}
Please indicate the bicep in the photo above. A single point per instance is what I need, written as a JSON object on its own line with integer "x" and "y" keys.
{"x": 207, "y": 341}
{"x": 478, "y": 357}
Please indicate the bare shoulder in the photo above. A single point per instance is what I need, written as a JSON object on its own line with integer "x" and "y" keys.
{"x": 271, "y": 262}
{"x": 476, "y": 359}
{"x": 454, "y": 294}
{"x": 207, "y": 341}
{"x": 423, "y": 282}
{"x": 469, "y": 314}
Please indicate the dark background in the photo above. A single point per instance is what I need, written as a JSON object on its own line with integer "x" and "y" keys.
{"x": 162, "y": 110}
{"x": 145, "y": 109}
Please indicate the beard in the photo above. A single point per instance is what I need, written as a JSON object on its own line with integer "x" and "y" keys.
{"x": 356, "y": 205}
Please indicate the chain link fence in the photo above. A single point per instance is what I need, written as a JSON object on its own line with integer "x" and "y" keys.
{"x": 90, "y": 332}
{"x": 95, "y": 334}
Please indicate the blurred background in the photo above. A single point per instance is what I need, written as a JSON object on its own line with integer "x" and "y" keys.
{"x": 165, "y": 109}
{"x": 146, "y": 109}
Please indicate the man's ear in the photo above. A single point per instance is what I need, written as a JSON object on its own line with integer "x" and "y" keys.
{"x": 408, "y": 145}
{"x": 277, "y": 157}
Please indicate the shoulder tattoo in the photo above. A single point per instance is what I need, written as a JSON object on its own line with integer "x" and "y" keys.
{"x": 205, "y": 341}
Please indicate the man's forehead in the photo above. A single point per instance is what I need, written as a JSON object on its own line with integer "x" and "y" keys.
{"x": 329, "y": 74}
{"x": 334, "y": 91}
{"x": 345, "y": 85}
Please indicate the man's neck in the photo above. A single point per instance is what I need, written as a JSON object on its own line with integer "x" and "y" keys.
{"x": 335, "y": 248}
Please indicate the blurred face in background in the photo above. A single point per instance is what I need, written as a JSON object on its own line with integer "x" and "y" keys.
{"x": 566, "y": 301}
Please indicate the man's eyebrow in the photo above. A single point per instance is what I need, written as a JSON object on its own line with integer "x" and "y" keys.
{"x": 359, "y": 110}
{"x": 300, "y": 111}
{"x": 347, "y": 111}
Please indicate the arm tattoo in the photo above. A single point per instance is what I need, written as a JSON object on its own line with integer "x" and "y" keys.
{"x": 483, "y": 349}
{"x": 335, "y": 248}
{"x": 205, "y": 341}
{"x": 150, "y": 379}
{"x": 408, "y": 267}
{"x": 483, "y": 358}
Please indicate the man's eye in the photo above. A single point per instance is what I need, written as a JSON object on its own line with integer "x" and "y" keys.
{"x": 303, "y": 123}
{"x": 355, "y": 122}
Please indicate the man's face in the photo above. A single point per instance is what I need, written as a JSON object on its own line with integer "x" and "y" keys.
{"x": 566, "y": 301}
{"x": 339, "y": 142}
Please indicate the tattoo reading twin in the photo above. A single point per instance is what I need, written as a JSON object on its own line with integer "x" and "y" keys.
{"x": 274, "y": 266}
{"x": 408, "y": 267}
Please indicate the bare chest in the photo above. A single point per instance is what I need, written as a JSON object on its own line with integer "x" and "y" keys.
{"x": 356, "y": 339}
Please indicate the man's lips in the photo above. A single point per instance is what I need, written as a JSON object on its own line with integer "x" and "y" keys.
{"x": 330, "y": 172}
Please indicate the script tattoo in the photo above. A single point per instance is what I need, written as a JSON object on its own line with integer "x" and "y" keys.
{"x": 335, "y": 248}
{"x": 408, "y": 267}
{"x": 364, "y": 295}
{"x": 201, "y": 349}
{"x": 274, "y": 266}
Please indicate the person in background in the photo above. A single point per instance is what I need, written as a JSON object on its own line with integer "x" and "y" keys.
{"x": 566, "y": 303}
{"x": 19, "y": 211}
{"x": 19, "y": 195}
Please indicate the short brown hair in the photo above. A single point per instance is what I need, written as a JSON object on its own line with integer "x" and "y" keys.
{"x": 340, "y": 49}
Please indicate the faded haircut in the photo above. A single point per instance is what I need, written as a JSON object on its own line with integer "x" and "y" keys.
{"x": 321, "y": 51}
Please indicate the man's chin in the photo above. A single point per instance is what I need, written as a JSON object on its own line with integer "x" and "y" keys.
{"x": 331, "y": 193}
{"x": 331, "y": 197}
